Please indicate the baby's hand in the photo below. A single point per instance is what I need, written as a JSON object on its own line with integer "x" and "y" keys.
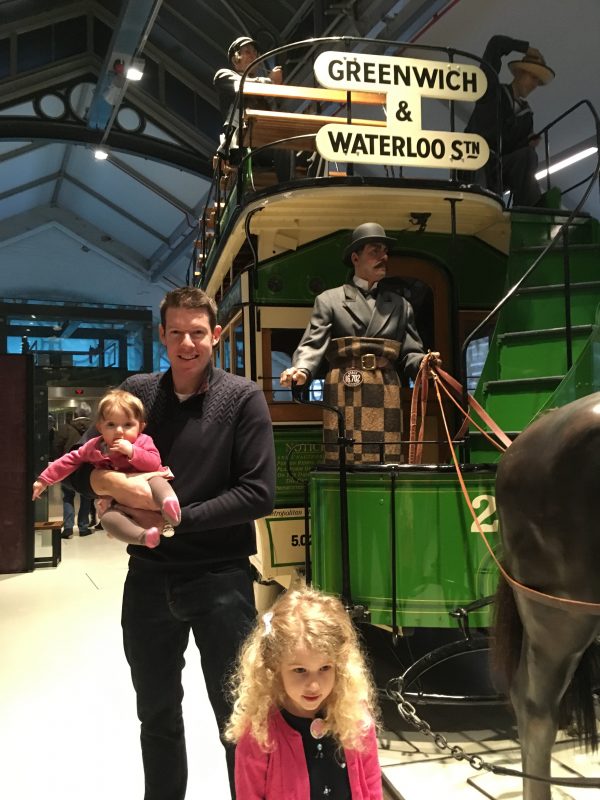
{"x": 122, "y": 446}
{"x": 38, "y": 488}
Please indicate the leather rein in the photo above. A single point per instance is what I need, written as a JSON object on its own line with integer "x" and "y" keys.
{"x": 450, "y": 386}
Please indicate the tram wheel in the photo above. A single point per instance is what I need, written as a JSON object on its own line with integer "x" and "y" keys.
{"x": 466, "y": 675}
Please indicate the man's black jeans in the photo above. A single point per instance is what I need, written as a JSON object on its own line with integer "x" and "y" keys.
{"x": 158, "y": 613}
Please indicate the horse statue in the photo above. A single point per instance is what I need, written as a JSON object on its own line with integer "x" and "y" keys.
{"x": 547, "y": 495}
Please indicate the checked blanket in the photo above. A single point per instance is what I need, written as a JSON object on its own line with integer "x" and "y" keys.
{"x": 368, "y": 398}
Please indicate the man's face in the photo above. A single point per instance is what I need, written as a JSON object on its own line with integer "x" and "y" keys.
{"x": 189, "y": 342}
{"x": 524, "y": 83}
{"x": 244, "y": 57}
{"x": 370, "y": 263}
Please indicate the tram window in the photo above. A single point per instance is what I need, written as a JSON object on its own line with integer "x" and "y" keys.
{"x": 217, "y": 352}
{"x": 163, "y": 361}
{"x": 226, "y": 350}
{"x": 316, "y": 389}
{"x": 476, "y": 355}
{"x": 238, "y": 348}
{"x": 279, "y": 362}
{"x": 283, "y": 343}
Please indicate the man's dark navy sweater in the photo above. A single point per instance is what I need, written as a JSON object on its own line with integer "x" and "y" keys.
{"x": 219, "y": 445}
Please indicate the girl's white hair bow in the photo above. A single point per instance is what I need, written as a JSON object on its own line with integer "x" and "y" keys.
{"x": 267, "y": 622}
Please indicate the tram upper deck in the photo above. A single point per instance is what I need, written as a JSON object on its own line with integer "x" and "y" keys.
{"x": 268, "y": 248}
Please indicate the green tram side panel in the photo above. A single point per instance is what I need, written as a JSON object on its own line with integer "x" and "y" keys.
{"x": 306, "y": 446}
{"x": 280, "y": 535}
{"x": 584, "y": 376}
{"x": 529, "y": 230}
{"x": 295, "y": 278}
{"x": 441, "y": 563}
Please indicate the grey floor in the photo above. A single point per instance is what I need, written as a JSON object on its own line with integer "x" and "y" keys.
{"x": 68, "y": 728}
{"x": 68, "y": 725}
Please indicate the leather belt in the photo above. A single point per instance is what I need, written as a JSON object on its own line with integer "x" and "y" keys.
{"x": 368, "y": 362}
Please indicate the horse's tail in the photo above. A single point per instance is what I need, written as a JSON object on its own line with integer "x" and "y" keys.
{"x": 576, "y": 712}
{"x": 508, "y": 635}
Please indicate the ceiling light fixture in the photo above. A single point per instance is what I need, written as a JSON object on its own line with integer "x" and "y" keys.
{"x": 100, "y": 154}
{"x": 566, "y": 162}
{"x": 136, "y": 70}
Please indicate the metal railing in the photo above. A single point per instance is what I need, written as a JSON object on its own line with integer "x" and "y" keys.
{"x": 561, "y": 234}
{"x": 241, "y": 158}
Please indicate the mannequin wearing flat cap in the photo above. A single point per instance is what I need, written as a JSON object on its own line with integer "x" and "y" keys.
{"x": 365, "y": 329}
{"x": 241, "y": 53}
{"x": 515, "y": 117}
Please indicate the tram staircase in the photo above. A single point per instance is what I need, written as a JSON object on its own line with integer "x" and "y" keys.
{"x": 526, "y": 368}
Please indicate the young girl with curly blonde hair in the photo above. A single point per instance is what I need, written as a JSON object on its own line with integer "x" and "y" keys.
{"x": 304, "y": 710}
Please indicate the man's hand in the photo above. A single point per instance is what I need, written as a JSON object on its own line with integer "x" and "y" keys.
{"x": 431, "y": 359}
{"x": 129, "y": 489}
{"x": 276, "y": 75}
{"x": 298, "y": 376}
{"x": 533, "y": 52}
{"x": 38, "y": 489}
{"x": 122, "y": 446}
{"x": 147, "y": 519}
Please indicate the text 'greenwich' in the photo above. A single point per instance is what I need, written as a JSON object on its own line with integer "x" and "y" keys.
{"x": 380, "y": 73}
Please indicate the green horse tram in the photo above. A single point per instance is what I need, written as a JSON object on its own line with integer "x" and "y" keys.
{"x": 397, "y": 541}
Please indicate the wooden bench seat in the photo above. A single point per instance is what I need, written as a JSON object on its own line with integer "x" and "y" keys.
{"x": 264, "y": 127}
{"x": 54, "y": 526}
{"x": 315, "y": 94}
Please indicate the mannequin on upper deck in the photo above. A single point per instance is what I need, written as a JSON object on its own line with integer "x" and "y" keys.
{"x": 505, "y": 111}
{"x": 241, "y": 53}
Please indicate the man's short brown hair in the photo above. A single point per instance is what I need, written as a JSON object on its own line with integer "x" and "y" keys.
{"x": 189, "y": 297}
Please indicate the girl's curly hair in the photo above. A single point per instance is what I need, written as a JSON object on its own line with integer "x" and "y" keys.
{"x": 310, "y": 619}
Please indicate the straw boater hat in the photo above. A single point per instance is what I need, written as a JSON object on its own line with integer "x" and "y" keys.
{"x": 536, "y": 65}
{"x": 365, "y": 233}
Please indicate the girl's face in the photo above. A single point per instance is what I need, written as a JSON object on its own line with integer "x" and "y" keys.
{"x": 308, "y": 678}
{"x": 119, "y": 425}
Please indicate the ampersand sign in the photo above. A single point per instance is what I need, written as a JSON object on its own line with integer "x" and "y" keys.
{"x": 403, "y": 114}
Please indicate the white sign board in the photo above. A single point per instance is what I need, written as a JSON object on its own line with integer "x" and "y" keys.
{"x": 401, "y": 141}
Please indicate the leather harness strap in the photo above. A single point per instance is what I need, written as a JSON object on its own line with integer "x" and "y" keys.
{"x": 419, "y": 400}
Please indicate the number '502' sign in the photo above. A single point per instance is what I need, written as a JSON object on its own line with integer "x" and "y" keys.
{"x": 299, "y": 539}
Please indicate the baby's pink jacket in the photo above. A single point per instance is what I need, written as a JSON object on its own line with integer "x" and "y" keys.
{"x": 145, "y": 458}
{"x": 282, "y": 773}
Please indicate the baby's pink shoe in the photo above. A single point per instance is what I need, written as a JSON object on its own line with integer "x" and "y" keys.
{"x": 151, "y": 537}
{"x": 171, "y": 510}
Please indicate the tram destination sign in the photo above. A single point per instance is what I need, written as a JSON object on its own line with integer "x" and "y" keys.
{"x": 401, "y": 140}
